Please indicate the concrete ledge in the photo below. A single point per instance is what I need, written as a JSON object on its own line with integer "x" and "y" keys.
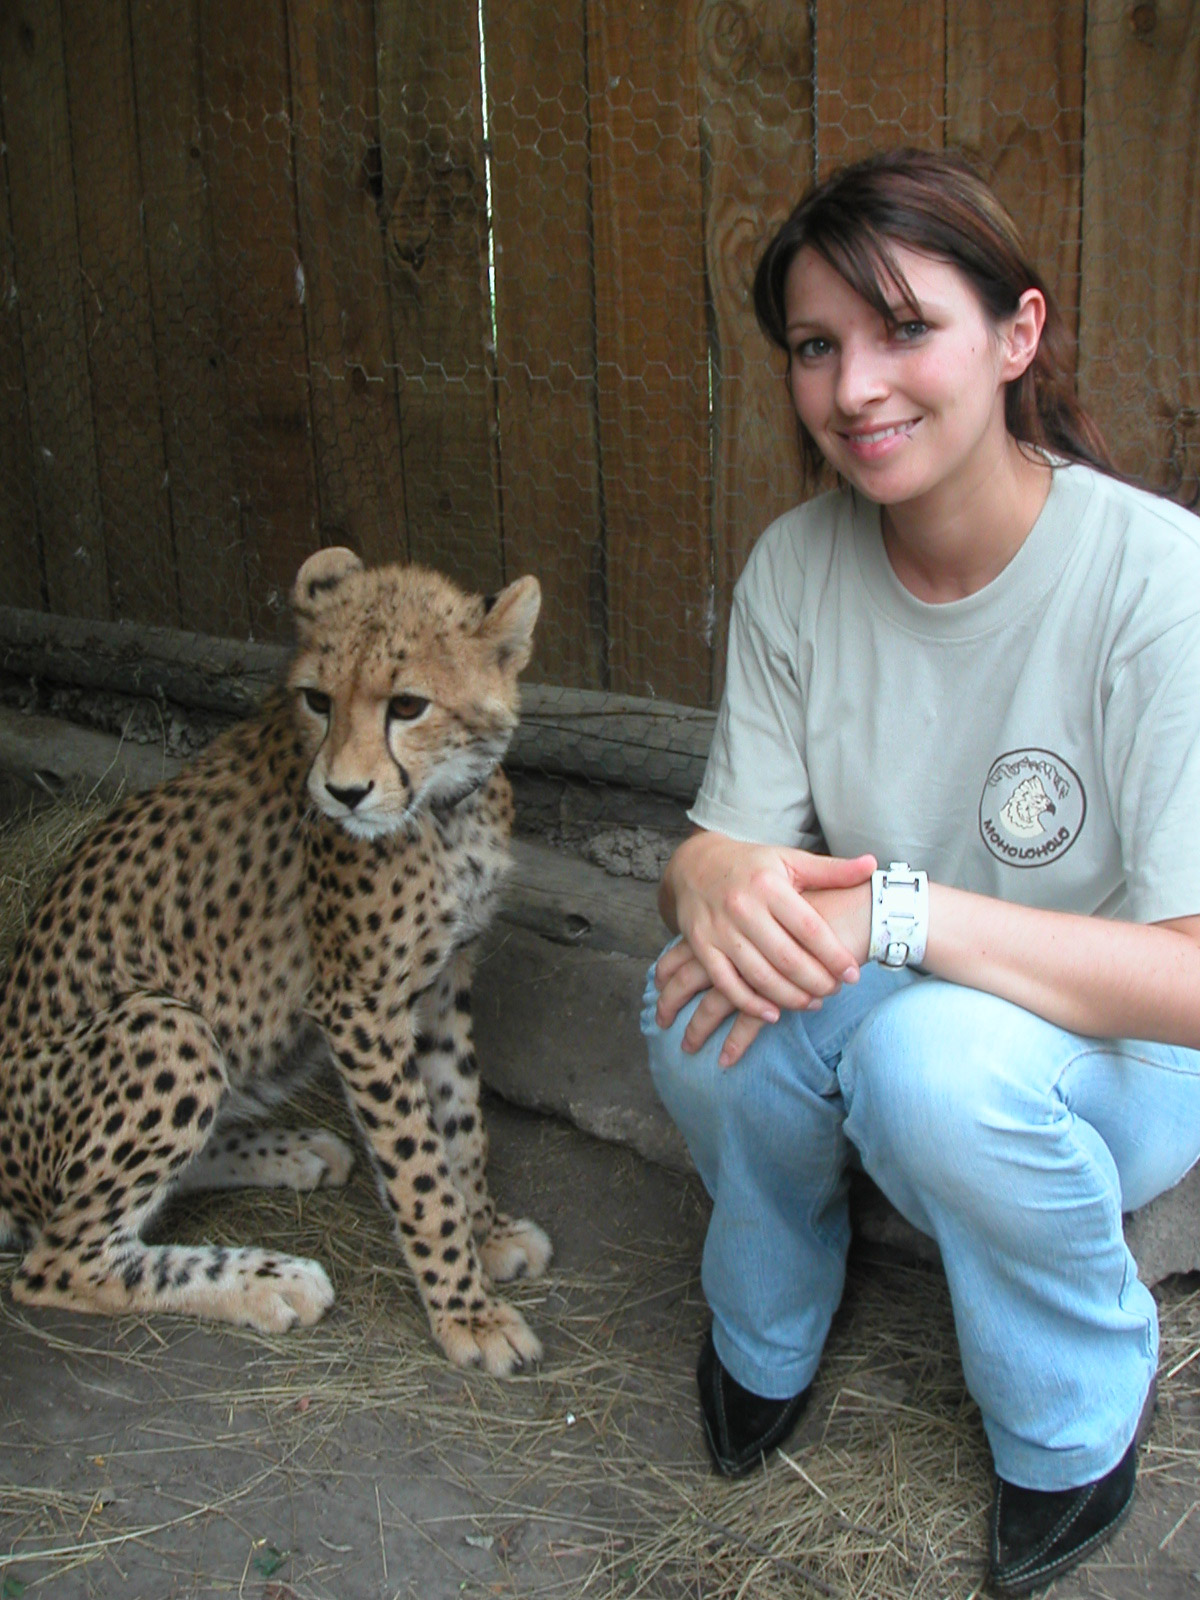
{"x": 50, "y": 757}
{"x": 557, "y": 1031}
{"x": 1165, "y": 1235}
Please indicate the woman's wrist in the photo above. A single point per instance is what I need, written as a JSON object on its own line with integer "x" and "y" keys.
{"x": 675, "y": 875}
{"x": 848, "y": 913}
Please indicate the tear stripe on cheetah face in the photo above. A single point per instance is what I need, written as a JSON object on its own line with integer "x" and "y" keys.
{"x": 171, "y": 981}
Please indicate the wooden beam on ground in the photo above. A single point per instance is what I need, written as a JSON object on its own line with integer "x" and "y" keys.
{"x": 645, "y": 744}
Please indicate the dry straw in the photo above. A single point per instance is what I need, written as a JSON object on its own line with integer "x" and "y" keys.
{"x": 881, "y": 1495}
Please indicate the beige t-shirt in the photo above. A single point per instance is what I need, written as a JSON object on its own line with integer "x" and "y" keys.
{"x": 1038, "y": 741}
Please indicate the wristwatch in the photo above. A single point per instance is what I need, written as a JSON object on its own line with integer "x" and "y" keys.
{"x": 899, "y": 916}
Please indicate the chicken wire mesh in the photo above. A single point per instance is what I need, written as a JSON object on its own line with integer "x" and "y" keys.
{"x": 468, "y": 284}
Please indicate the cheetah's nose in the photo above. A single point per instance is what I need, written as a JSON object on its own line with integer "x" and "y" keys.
{"x": 350, "y": 797}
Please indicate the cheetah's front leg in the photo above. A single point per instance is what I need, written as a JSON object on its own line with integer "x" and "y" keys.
{"x": 508, "y": 1247}
{"x": 379, "y": 1070}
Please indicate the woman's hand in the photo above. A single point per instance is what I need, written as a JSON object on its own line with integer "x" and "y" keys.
{"x": 751, "y": 930}
{"x": 680, "y": 977}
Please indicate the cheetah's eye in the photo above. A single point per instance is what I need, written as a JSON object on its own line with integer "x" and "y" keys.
{"x": 317, "y": 702}
{"x": 406, "y": 707}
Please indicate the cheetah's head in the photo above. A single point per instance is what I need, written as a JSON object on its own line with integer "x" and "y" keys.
{"x": 405, "y": 687}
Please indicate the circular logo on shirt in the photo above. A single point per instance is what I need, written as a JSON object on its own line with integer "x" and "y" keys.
{"x": 1032, "y": 808}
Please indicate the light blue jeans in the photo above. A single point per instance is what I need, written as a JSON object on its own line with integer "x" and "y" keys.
{"x": 1014, "y": 1144}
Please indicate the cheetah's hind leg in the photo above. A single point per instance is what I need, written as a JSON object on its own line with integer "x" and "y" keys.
{"x": 112, "y": 1273}
{"x": 88, "y": 1255}
{"x": 13, "y": 1237}
{"x": 269, "y": 1158}
{"x": 242, "y": 1153}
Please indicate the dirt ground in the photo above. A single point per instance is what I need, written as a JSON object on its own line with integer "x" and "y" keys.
{"x": 157, "y": 1460}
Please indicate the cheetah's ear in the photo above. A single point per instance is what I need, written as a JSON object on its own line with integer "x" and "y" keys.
{"x": 508, "y": 623}
{"x": 320, "y": 575}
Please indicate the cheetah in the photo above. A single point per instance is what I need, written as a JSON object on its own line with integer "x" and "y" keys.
{"x": 314, "y": 881}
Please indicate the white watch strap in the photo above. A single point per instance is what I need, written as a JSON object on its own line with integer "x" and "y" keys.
{"x": 899, "y": 916}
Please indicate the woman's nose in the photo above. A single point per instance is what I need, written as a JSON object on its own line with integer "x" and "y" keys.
{"x": 861, "y": 378}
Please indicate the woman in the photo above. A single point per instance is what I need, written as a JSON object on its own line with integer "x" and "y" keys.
{"x": 981, "y": 656}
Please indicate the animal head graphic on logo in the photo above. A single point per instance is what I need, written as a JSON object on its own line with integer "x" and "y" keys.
{"x": 1025, "y": 807}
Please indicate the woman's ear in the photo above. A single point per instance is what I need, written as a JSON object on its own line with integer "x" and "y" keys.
{"x": 1022, "y": 334}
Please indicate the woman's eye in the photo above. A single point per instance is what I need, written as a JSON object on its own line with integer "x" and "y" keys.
{"x": 811, "y": 349}
{"x": 406, "y": 707}
{"x": 912, "y": 329}
{"x": 317, "y": 702}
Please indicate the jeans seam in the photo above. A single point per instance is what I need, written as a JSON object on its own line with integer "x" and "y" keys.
{"x": 1117, "y": 1048}
{"x": 1128, "y": 1278}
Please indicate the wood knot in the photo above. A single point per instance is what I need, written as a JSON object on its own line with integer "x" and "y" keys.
{"x": 1143, "y": 19}
{"x": 727, "y": 37}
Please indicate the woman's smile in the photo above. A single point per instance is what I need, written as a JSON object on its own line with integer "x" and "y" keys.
{"x": 870, "y": 444}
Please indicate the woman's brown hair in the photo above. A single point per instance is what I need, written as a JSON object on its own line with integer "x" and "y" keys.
{"x": 935, "y": 203}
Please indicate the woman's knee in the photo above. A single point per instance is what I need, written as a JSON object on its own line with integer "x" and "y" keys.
{"x": 697, "y": 1090}
{"x": 937, "y": 1082}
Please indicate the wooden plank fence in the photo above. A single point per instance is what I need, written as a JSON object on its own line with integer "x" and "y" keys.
{"x": 469, "y": 284}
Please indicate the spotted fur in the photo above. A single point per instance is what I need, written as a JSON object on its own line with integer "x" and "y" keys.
{"x": 319, "y": 873}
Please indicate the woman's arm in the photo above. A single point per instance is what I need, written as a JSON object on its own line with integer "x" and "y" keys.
{"x": 1091, "y": 975}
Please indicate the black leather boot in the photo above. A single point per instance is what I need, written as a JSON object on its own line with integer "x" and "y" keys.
{"x": 1037, "y": 1534}
{"x": 740, "y": 1427}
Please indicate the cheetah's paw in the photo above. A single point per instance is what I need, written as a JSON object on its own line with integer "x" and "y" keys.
{"x": 496, "y": 1338}
{"x": 515, "y": 1248}
{"x": 323, "y": 1160}
{"x": 284, "y": 1293}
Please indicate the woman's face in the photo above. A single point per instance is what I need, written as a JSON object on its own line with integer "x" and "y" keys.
{"x": 906, "y": 412}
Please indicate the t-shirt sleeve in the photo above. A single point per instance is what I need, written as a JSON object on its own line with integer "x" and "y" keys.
{"x": 756, "y": 785}
{"x": 1152, "y": 761}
